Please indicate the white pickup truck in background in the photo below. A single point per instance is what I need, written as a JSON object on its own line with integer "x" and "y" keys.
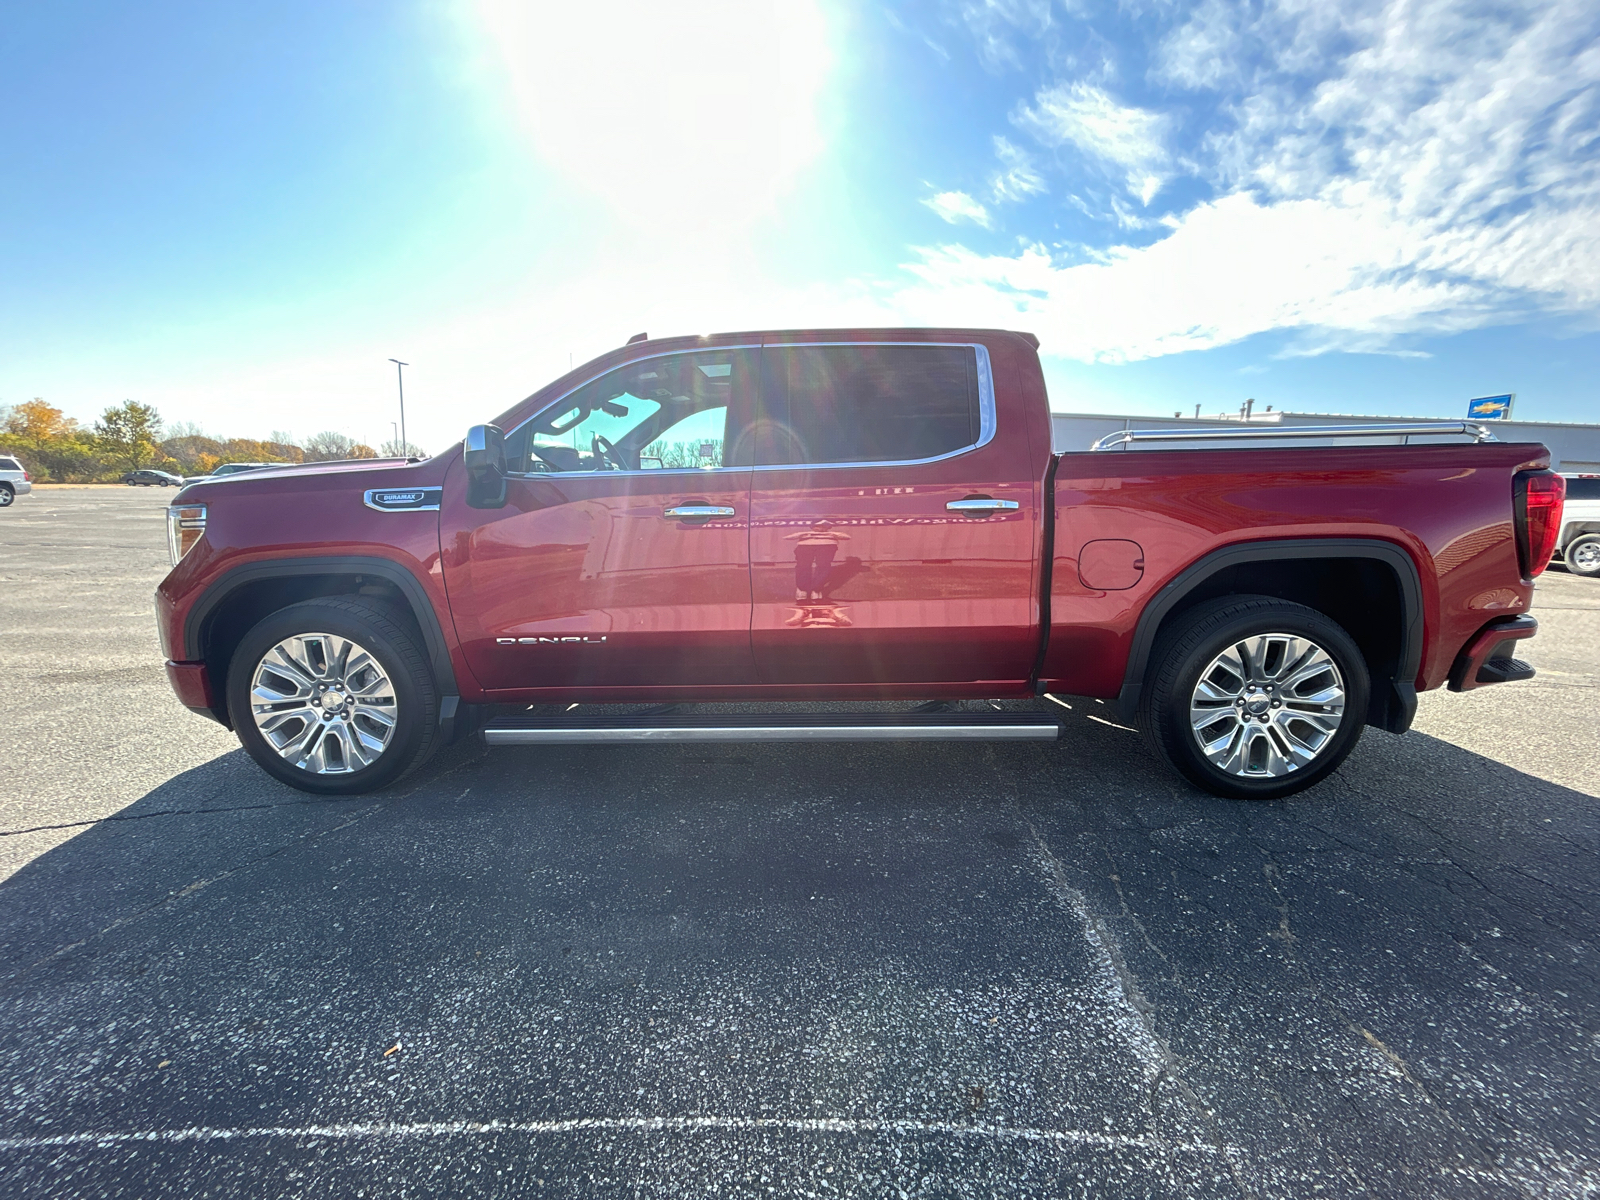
{"x": 1579, "y": 544}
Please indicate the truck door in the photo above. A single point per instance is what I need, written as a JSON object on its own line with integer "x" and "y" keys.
{"x": 621, "y": 557}
{"x": 892, "y": 534}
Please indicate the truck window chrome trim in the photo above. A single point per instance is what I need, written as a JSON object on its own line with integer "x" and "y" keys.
{"x": 987, "y": 420}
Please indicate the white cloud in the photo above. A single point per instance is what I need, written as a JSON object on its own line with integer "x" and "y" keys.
{"x": 995, "y": 25}
{"x": 1230, "y": 269}
{"x": 1131, "y": 139}
{"x": 1018, "y": 177}
{"x": 1204, "y": 50}
{"x": 958, "y": 206}
{"x": 1441, "y": 172}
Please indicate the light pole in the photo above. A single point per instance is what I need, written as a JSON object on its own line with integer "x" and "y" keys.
{"x": 400, "y": 377}
{"x": 396, "y": 429}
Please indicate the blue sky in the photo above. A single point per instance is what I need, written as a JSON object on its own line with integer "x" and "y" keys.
{"x": 240, "y": 213}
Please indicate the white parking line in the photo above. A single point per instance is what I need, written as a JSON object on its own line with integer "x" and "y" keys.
{"x": 641, "y": 1124}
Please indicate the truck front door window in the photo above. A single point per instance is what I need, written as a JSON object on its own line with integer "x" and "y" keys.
{"x": 660, "y": 413}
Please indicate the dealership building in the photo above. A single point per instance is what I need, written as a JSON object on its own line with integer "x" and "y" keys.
{"x": 1574, "y": 449}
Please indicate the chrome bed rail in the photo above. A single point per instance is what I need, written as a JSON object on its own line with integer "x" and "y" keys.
{"x": 1125, "y": 437}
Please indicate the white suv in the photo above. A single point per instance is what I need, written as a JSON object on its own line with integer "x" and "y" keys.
{"x": 13, "y": 480}
{"x": 1580, "y": 525}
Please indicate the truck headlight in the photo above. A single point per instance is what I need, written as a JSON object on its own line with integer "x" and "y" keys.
{"x": 185, "y": 524}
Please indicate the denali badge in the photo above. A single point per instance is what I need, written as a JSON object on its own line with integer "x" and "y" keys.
{"x": 548, "y": 641}
{"x": 417, "y": 499}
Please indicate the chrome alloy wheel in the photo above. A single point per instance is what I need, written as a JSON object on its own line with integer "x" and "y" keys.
{"x": 1267, "y": 705}
{"x": 323, "y": 703}
{"x": 1586, "y": 557}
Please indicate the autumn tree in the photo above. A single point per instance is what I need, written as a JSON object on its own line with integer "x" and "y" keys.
{"x": 50, "y": 442}
{"x": 36, "y": 424}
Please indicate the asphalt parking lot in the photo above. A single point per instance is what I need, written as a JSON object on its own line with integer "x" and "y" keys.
{"x": 863, "y": 970}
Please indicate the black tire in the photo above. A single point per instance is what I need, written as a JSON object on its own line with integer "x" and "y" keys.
{"x": 7, "y": 495}
{"x": 1193, "y": 643}
{"x": 387, "y": 636}
{"x": 1582, "y": 555}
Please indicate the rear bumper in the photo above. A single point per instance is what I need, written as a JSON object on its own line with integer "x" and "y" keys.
{"x": 1487, "y": 658}
{"x": 193, "y": 688}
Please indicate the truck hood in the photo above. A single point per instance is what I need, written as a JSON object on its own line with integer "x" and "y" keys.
{"x": 299, "y": 476}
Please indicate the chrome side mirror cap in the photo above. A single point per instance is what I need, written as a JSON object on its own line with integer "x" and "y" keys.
{"x": 484, "y": 457}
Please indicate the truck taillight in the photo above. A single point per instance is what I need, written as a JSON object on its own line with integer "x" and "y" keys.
{"x": 1540, "y": 496}
{"x": 185, "y": 524}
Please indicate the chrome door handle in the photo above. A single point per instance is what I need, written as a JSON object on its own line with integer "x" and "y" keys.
{"x": 984, "y": 505}
{"x": 697, "y": 512}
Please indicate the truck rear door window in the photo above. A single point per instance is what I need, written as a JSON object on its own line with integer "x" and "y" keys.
{"x": 866, "y": 403}
{"x": 1583, "y": 487}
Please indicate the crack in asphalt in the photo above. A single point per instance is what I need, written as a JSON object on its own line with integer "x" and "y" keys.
{"x": 1285, "y": 937}
{"x": 197, "y": 886}
{"x": 178, "y": 812}
{"x": 308, "y": 838}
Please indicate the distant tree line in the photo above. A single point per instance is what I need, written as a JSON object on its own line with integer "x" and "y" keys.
{"x": 130, "y": 437}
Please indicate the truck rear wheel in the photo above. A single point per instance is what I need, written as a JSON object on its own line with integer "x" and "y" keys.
{"x": 333, "y": 696}
{"x": 1583, "y": 555}
{"x": 1253, "y": 697}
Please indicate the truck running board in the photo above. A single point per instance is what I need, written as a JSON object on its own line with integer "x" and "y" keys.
{"x": 775, "y": 727}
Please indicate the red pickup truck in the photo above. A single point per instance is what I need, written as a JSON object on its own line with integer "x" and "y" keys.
{"x": 861, "y": 515}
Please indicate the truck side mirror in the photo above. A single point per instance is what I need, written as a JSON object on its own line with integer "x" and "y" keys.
{"x": 484, "y": 456}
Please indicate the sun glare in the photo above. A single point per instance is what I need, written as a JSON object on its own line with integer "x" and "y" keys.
{"x": 683, "y": 119}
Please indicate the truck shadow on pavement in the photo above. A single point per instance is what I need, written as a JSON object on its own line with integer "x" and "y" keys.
{"x": 1026, "y": 970}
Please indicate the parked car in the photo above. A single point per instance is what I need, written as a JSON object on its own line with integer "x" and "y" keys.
{"x": 844, "y": 516}
{"x": 14, "y": 480}
{"x": 152, "y": 479}
{"x": 1579, "y": 544}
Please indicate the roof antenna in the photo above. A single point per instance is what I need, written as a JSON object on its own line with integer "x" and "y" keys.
{"x": 639, "y": 337}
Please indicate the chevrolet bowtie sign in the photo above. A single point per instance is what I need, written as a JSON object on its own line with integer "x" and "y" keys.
{"x": 1490, "y": 408}
{"x": 417, "y": 499}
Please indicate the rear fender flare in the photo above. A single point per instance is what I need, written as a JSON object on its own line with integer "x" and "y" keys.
{"x": 1164, "y": 602}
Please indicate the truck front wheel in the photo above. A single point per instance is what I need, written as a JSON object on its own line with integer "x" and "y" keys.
{"x": 1253, "y": 697}
{"x": 333, "y": 696}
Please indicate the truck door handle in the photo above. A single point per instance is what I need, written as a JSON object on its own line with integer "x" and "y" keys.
{"x": 981, "y": 506}
{"x": 697, "y": 512}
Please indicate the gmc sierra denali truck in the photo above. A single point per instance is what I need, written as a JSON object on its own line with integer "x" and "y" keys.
{"x": 845, "y": 516}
